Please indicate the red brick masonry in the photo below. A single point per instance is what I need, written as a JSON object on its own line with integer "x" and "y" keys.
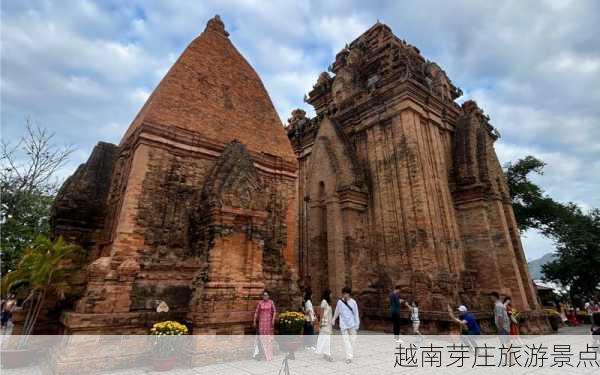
{"x": 206, "y": 202}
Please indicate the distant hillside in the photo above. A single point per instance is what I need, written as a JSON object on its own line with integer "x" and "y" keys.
{"x": 535, "y": 266}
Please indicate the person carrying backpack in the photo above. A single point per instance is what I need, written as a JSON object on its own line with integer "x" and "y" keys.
{"x": 346, "y": 310}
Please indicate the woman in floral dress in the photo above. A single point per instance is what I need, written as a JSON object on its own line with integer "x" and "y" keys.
{"x": 265, "y": 316}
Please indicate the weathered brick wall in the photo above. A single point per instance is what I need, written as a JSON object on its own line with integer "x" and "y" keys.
{"x": 483, "y": 201}
{"x": 79, "y": 209}
{"x": 78, "y": 214}
{"x": 408, "y": 234}
{"x": 167, "y": 266}
{"x": 200, "y": 210}
{"x": 437, "y": 217}
{"x": 189, "y": 232}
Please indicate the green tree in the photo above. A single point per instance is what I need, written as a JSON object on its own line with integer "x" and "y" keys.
{"x": 578, "y": 252}
{"x": 43, "y": 269}
{"x": 533, "y": 209}
{"x": 576, "y": 233}
{"x": 27, "y": 187}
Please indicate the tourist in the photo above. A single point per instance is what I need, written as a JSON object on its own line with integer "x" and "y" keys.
{"x": 325, "y": 330}
{"x": 414, "y": 318}
{"x": 395, "y": 304}
{"x": 310, "y": 318}
{"x": 265, "y": 317}
{"x": 589, "y": 309}
{"x": 8, "y": 307}
{"x": 572, "y": 316}
{"x": 501, "y": 319}
{"x": 514, "y": 324}
{"x": 562, "y": 312}
{"x": 347, "y": 310}
{"x": 595, "y": 329}
{"x": 468, "y": 324}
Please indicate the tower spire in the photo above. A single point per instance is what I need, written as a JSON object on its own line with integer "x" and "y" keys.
{"x": 216, "y": 25}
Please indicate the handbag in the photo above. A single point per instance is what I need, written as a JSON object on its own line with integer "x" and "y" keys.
{"x": 324, "y": 322}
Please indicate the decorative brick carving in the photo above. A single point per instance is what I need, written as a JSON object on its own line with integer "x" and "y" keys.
{"x": 196, "y": 207}
{"x": 434, "y": 214}
{"x": 205, "y": 202}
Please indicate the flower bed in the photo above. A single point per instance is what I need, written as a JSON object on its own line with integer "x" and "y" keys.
{"x": 290, "y": 323}
{"x": 168, "y": 328}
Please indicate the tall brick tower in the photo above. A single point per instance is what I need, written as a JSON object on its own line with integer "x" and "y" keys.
{"x": 195, "y": 207}
{"x": 400, "y": 185}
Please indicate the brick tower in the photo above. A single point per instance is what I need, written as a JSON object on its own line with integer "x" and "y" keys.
{"x": 400, "y": 185}
{"x": 195, "y": 207}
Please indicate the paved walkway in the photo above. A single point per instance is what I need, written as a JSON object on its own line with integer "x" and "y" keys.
{"x": 375, "y": 354}
{"x": 583, "y": 329}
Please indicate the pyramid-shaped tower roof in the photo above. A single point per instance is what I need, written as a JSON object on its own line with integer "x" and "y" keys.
{"x": 213, "y": 91}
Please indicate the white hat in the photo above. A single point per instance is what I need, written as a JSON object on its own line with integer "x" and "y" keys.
{"x": 462, "y": 308}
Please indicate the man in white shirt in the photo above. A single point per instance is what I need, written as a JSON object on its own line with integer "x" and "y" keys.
{"x": 501, "y": 319}
{"x": 347, "y": 310}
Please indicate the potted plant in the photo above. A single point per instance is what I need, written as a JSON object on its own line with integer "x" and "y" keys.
{"x": 42, "y": 271}
{"x": 553, "y": 318}
{"x": 582, "y": 317}
{"x": 289, "y": 329}
{"x": 166, "y": 344}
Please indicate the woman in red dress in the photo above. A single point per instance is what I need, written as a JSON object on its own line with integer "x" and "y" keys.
{"x": 573, "y": 318}
{"x": 265, "y": 316}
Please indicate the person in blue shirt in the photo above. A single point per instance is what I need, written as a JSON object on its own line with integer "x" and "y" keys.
{"x": 469, "y": 326}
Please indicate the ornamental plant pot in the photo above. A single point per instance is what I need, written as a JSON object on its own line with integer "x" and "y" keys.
{"x": 166, "y": 338}
{"x": 289, "y": 343}
{"x": 164, "y": 364}
{"x": 289, "y": 328}
{"x": 554, "y": 322}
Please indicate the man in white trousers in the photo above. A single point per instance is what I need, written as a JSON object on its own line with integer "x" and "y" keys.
{"x": 347, "y": 310}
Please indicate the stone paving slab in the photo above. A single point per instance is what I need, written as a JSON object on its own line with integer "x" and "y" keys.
{"x": 375, "y": 354}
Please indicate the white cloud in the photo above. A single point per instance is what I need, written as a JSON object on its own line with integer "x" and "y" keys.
{"x": 567, "y": 63}
{"x": 337, "y": 31}
{"x": 84, "y": 68}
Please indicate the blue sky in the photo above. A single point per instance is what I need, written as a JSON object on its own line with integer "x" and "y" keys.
{"x": 84, "y": 68}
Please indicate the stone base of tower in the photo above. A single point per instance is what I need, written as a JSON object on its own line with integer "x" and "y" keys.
{"x": 431, "y": 323}
{"x": 534, "y": 323}
{"x": 85, "y": 354}
{"x": 129, "y": 323}
{"x": 439, "y": 323}
{"x": 104, "y": 342}
{"x": 203, "y": 350}
{"x": 225, "y": 308}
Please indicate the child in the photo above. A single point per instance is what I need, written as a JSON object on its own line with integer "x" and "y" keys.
{"x": 414, "y": 318}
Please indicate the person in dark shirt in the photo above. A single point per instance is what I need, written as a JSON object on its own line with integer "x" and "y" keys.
{"x": 469, "y": 326}
{"x": 395, "y": 305}
{"x": 595, "y": 330}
